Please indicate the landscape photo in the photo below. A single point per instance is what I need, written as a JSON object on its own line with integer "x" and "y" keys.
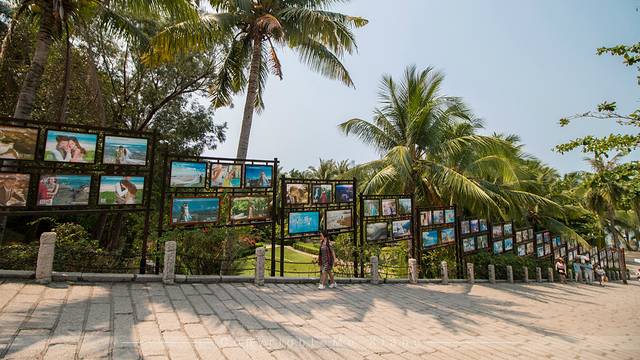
{"x": 125, "y": 150}
{"x": 377, "y": 231}
{"x": 14, "y": 189}
{"x": 469, "y": 244}
{"x": 429, "y": 238}
{"x": 448, "y": 235}
{"x": 304, "y": 222}
{"x": 372, "y": 207}
{"x": 64, "y": 190}
{"x": 483, "y": 241}
{"x": 401, "y": 228}
{"x": 404, "y": 206}
{"x": 225, "y": 175}
{"x": 195, "y": 210}
{"x": 297, "y": 194}
{"x": 496, "y": 230}
{"x": 449, "y": 216}
{"x": 71, "y": 147}
{"x": 438, "y": 217}
{"x": 121, "y": 190}
{"x": 483, "y": 225}
{"x": 497, "y": 247}
{"x": 322, "y": 194}
{"x": 18, "y": 143}
{"x": 425, "y": 218}
{"x": 344, "y": 193}
{"x": 508, "y": 244}
{"x": 339, "y": 219}
{"x": 539, "y": 237}
{"x": 540, "y": 251}
{"x": 519, "y": 236}
{"x": 389, "y": 207}
{"x": 250, "y": 208}
{"x": 258, "y": 176}
{"x": 188, "y": 174}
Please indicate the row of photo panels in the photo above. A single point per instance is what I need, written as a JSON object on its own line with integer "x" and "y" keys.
{"x": 307, "y": 193}
{"x": 387, "y": 207}
{"x": 70, "y": 190}
{"x": 202, "y": 210}
{"x": 193, "y": 174}
{"x": 524, "y": 235}
{"x": 385, "y": 231}
{"x": 474, "y": 243}
{"x": 473, "y": 226}
{"x": 21, "y": 143}
{"x": 525, "y": 249}
{"x": 502, "y": 230}
{"x": 312, "y": 222}
{"x": 437, "y": 217}
{"x": 501, "y": 246}
{"x": 436, "y": 237}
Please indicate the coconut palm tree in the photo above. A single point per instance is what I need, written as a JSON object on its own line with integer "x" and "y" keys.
{"x": 325, "y": 171}
{"x": 257, "y": 28}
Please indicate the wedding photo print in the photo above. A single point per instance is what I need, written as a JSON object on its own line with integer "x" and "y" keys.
{"x": 18, "y": 143}
{"x": 344, "y": 193}
{"x": 64, "y": 190}
{"x": 121, "y": 190}
{"x": 226, "y": 175}
{"x": 297, "y": 194}
{"x": 339, "y": 219}
{"x": 389, "y": 207}
{"x": 125, "y": 150}
{"x": 258, "y": 176}
{"x": 404, "y": 206}
{"x": 250, "y": 208}
{"x": 377, "y": 231}
{"x": 304, "y": 222}
{"x": 371, "y": 208}
{"x": 14, "y": 189}
{"x": 188, "y": 174}
{"x": 195, "y": 210}
{"x": 71, "y": 147}
{"x": 322, "y": 194}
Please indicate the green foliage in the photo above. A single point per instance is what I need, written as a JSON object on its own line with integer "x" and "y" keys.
{"x": 431, "y": 260}
{"x": 19, "y": 257}
{"x": 483, "y": 259}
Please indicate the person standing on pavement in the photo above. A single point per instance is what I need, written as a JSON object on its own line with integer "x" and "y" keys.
{"x": 561, "y": 269}
{"x": 588, "y": 272}
{"x": 326, "y": 260}
{"x": 577, "y": 271}
{"x": 600, "y": 274}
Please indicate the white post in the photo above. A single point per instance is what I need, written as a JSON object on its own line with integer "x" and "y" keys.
{"x": 538, "y": 274}
{"x": 550, "y": 274}
{"x": 470, "y": 273}
{"x": 525, "y": 274}
{"x": 260, "y": 266}
{"x": 375, "y": 277}
{"x": 46, "y": 253}
{"x": 169, "y": 272}
{"x": 510, "y": 274}
{"x": 413, "y": 271}
{"x": 444, "y": 272}
{"x": 492, "y": 274}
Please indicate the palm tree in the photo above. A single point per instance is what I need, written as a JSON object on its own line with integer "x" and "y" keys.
{"x": 325, "y": 171}
{"x": 256, "y": 29}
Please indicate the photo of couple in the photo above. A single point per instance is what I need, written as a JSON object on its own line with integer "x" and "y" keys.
{"x": 196, "y": 210}
{"x": 64, "y": 146}
{"x": 121, "y": 190}
{"x": 125, "y": 151}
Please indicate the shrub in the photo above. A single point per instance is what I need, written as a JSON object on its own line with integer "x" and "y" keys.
{"x": 483, "y": 259}
{"x": 430, "y": 262}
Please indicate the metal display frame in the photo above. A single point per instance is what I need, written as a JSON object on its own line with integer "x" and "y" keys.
{"x": 546, "y": 240}
{"x": 475, "y": 235}
{"x": 502, "y": 238}
{"x": 438, "y": 227}
{"x": 527, "y": 238}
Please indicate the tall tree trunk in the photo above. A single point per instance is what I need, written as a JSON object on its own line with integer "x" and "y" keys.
{"x": 7, "y": 38}
{"x": 31, "y": 83}
{"x": 616, "y": 241}
{"x": 250, "y": 102}
{"x": 62, "y": 116}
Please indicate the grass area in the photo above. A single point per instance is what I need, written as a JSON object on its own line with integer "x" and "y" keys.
{"x": 308, "y": 268}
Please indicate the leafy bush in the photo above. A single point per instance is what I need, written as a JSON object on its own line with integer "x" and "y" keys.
{"x": 430, "y": 264}
{"x": 483, "y": 259}
{"x": 19, "y": 257}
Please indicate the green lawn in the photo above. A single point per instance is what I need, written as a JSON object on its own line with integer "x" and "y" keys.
{"x": 309, "y": 268}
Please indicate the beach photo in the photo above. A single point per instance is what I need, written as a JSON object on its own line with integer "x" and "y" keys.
{"x": 469, "y": 244}
{"x": 449, "y": 216}
{"x": 371, "y": 208}
{"x": 389, "y": 207}
{"x": 339, "y": 219}
{"x": 497, "y": 247}
{"x": 377, "y": 231}
{"x": 64, "y": 190}
{"x": 18, "y": 143}
{"x": 344, "y": 193}
{"x": 438, "y": 216}
{"x": 522, "y": 250}
{"x": 258, "y": 176}
{"x": 483, "y": 241}
{"x": 539, "y": 237}
{"x": 448, "y": 235}
{"x": 322, "y": 194}
{"x": 496, "y": 230}
{"x": 483, "y": 225}
{"x": 226, "y": 175}
{"x": 297, "y": 194}
{"x": 464, "y": 227}
{"x": 195, "y": 210}
{"x": 507, "y": 229}
{"x": 121, "y": 190}
{"x": 304, "y": 222}
{"x": 540, "y": 251}
{"x": 474, "y": 225}
{"x": 530, "y": 248}
{"x": 404, "y": 206}
{"x": 251, "y": 208}
{"x": 429, "y": 238}
{"x": 73, "y": 147}
{"x": 188, "y": 174}
{"x": 519, "y": 236}
{"x": 508, "y": 244}
{"x": 401, "y": 228}
{"x": 14, "y": 189}
{"x": 425, "y": 218}
{"x": 121, "y": 150}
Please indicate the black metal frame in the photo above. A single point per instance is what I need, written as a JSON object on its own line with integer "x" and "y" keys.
{"x": 525, "y": 241}
{"x": 474, "y": 235}
{"x": 503, "y": 237}
{"x": 544, "y": 243}
{"x": 439, "y": 227}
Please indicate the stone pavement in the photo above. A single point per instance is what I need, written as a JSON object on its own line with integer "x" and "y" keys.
{"x": 287, "y": 321}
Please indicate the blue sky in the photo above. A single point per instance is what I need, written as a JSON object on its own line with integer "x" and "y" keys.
{"x": 520, "y": 65}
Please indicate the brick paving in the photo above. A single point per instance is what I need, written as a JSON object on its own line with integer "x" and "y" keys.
{"x": 292, "y": 321}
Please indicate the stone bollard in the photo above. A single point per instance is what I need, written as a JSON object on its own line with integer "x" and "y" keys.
{"x": 444, "y": 271}
{"x": 471, "y": 273}
{"x": 169, "y": 272}
{"x": 525, "y": 274}
{"x": 550, "y": 274}
{"x": 375, "y": 277}
{"x": 570, "y": 274}
{"x": 492, "y": 274}
{"x": 46, "y": 253}
{"x": 538, "y": 274}
{"x": 510, "y": 274}
{"x": 413, "y": 271}
{"x": 260, "y": 266}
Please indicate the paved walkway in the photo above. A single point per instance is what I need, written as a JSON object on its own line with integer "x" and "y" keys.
{"x": 241, "y": 321}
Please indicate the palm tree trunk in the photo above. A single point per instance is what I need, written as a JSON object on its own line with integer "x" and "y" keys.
{"x": 31, "y": 83}
{"x": 62, "y": 116}
{"x": 250, "y": 102}
{"x": 616, "y": 241}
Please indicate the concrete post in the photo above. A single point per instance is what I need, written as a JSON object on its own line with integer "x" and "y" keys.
{"x": 550, "y": 274}
{"x": 46, "y": 253}
{"x": 375, "y": 277}
{"x": 492, "y": 274}
{"x": 169, "y": 272}
{"x": 413, "y": 271}
{"x": 444, "y": 271}
{"x": 471, "y": 273}
{"x": 260, "y": 266}
{"x": 525, "y": 274}
{"x": 510, "y": 274}
{"x": 538, "y": 274}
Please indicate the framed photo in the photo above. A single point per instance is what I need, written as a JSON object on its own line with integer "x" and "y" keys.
{"x": 14, "y": 189}
{"x": 508, "y": 244}
{"x": 547, "y": 237}
{"x": 484, "y": 226}
{"x": 496, "y": 230}
{"x": 70, "y": 147}
{"x": 438, "y": 217}
{"x": 339, "y": 219}
{"x": 539, "y": 237}
{"x": 377, "y": 231}
{"x": 188, "y": 174}
{"x": 121, "y": 150}
{"x": 540, "y": 251}
{"x": 557, "y": 240}
{"x": 465, "y": 227}
{"x": 404, "y": 206}
{"x": 371, "y": 208}
{"x": 547, "y": 249}
{"x": 449, "y": 216}
{"x": 469, "y": 244}
{"x": 64, "y": 190}
{"x": 425, "y": 218}
{"x": 518, "y": 236}
{"x": 497, "y": 247}
{"x": 304, "y": 222}
{"x": 225, "y": 176}
{"x": 389, "y": 207}
{"x": 563, "y": 252}
{"x": 297, "y": 194}
{"x": 571, "y": 256}
{"x": 258, "y": 176}
{"x": 522, "y": 250}
{"x": 474, "y": 225}
{"x": 483, "y": 241}
{"x": 121, "y": 190}
{"x": 448, "y": 235}
{"x": 195, "y": 210}
{"x": 322, "y": 194}
{"x": 344, "y": 193}
{"x": 530, "y": 248}
{"x": 507, "y": 229}
{"x": 250, "y": 208}
{"x": 429, "y": 238}
{"x": 401, "y": 228}
{"x": 18, "y": 143}
{"x": 530, "y": 232}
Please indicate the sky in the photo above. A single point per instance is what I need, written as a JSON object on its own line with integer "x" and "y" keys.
{"x": 520, "y": 66}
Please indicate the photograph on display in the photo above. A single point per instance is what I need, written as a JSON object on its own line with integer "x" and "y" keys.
{"x": 464, "y": 227}
{"x": 304, "y": 222}
{"x": 71, "y": 147}
{"x": 371, "y": 207}
{"x": 483, "y": 225}
{"x": 250, "y": 208}
{"x": 508, "y": 229}
{"x": 438, "y": 217}
{"x": 448, "y": 235}
{"x": 547, "y": 237}
{"x": 258, "y": 176}
{"x": 401, "y": 228}
{"x": 344, "y": 193}
{"x": 571, "y": 256}
{"x": 496, "y": 230}
{"x": 547, "y": 249}
{"x": 474, "y": 225}
{"x": 522, "y": 250}
{"x": 469, "y": 244}
{"x": 404, "y": 206}
{"x": 14, "y": 189}
{"x": 557, "y": 241}
{"x": 508, "y": 244}
{"x": 188, "y": 174}
{"x": 530, "y": 233}
{"x": 125, "y": 150}
{"x": 18, "y": 143}
{"x": 540, "y": 251}
{"x": 226, "y": 175}
{"x": 425, "y": 218}
{"x": 195, "y": 210}
{"x": 322, "y": 194}
{"x": 377, "y": 231}
{"x": 563, "y": 252}
{"x": 339, "y": 219}
{"x": 539, "y": 237}
{"x": 497, "y": 247}
{"x": 64, "y": 190}
{"x": 518, "y": 236}
{"x": 530, "y": 248}
{"x": 429, "y": 238}
{"x": 483, "y": 241}
{"x": 449, "y": 216}
{"x": 389, "y": 207}
{"x": 297, "y": 194}
{"x": 121, "y": 190}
